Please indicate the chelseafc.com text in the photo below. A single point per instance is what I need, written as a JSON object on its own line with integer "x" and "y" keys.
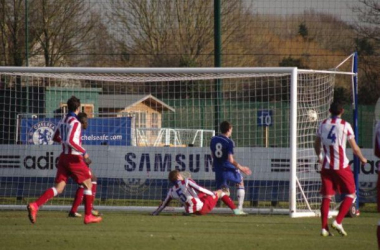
{"x": 103, "y": 137}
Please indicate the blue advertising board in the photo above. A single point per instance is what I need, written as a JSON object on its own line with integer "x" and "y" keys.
{"x": 114, "y": 131}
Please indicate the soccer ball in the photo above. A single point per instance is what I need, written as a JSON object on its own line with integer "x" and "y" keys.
{"x": 312, "y": 115}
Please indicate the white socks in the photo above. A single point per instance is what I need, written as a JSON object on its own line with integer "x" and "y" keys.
{"x": 240, "y": 196}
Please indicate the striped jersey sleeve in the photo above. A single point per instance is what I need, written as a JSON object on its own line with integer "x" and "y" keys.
{"x": 199, "y": 188}
{"x": 377, "y": 140}
{"x": 74, "y": 136}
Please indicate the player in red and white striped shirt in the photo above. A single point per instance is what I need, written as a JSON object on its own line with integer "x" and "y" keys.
{"x": 377, "y": 154}
{"x": 333, "y": 134}
{"x": 71, "y": 163}
{"x": 195, "y": 199}
{"x": 83, "y": 119}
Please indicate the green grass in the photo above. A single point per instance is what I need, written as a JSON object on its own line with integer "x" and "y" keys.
{"x": 54, "y": 230}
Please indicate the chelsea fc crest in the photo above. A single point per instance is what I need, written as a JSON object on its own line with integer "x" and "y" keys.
{"x": 41, "y": 133}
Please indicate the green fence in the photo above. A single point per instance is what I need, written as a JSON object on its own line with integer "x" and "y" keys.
{"x": 199, "y": 114}
{"x": 365, "y": 124}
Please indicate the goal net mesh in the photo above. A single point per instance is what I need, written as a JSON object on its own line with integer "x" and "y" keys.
{"x": 142, "y": 125}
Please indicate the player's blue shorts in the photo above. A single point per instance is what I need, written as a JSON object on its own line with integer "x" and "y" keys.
{"x": 226, "y": 175}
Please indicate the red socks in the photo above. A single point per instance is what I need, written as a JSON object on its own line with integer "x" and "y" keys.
{"x": 50, "y": 193}
{"x": 227, "y": 200}
{"x": 78, "y": 199}
{"x": 88, "y": 200}
{"x": 344, "y": 207}
{"x": 325, "y": 212}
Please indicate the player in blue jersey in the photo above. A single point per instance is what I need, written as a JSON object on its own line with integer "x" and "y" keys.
{"x": 227, "y": 170}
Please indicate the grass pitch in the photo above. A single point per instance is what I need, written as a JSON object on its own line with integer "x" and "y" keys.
{"x": 54, "y": 230}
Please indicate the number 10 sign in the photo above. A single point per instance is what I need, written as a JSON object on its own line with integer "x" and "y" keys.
{"x": 264, "y": 118}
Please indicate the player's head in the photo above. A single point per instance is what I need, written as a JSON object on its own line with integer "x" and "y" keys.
{"x": 336, "y": 108}
{"x": 225, "y": 127}
{"x": 73, "y": 104}
{"x": 174, "y": 176}
{"x": 82, "y": 117}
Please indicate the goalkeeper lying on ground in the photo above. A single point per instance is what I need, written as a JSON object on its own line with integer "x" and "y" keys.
{"x": 196, "y": 199}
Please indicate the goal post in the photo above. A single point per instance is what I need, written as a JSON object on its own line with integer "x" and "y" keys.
{"x": 274, "y": 111}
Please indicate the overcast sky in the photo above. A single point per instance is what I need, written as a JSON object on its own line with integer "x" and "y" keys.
{"x": 340, "y": 8}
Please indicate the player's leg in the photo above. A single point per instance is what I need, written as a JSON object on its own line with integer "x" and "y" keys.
{"x": 378, "y": 209}
{"x": 235, "y": 176}
{"x": 227, "y": 200}
{"x": 209, "y": 202}
{"x": 79, "y": 198}
{"x": 344, "y": 180}
{"x": 94, "y": 182}
{"x": 77, "y": 201}
{"x": 88, "y": 203}
{"x": 327, "y": 192}
{"x": 60, "y": 180}
{"x": 378, "y": 192}
{"x": 378, "y": 234}
{"x": 343, "y": 210}
{"x": 345, "y": 207}
{"x": 45, "y": 197}
{"x": 325, "y": 207}
{"x": 240, "y": 194}
{"x": 221, "y": 182}
{"x": 87, "y": 197}
{"x": 82, "y": 175}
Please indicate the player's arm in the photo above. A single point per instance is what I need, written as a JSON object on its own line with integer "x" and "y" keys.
{"x": 244, "y": 169}
{"x": 317, "y": 148}
{"x": 351, "y": 140}
{"x": 163, "y": 204}
{"x": 57, "y": 136}
{"x": 199, "y": 188}
{"x": 73, "y": 138}
{"x": 377, "y": 141}
{"x": 356, "y": 150}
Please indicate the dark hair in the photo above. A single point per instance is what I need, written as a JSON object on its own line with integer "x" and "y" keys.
{"x": 73, "y": 104}
{"x": 82, "y": 117}
{"x": 173, "y": 175}
{"x": 224, "y": 127}
{"x": 336, "y": 108}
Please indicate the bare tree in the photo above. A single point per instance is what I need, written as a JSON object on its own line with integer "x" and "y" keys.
{"x": 12, "y": 37}
{"x": 173, "y": 32}
{"x": 368, "y": 13}
{"x": 368, "y": 47}
{"x": 64, "y": 28}
{"x": 100, "y": 48}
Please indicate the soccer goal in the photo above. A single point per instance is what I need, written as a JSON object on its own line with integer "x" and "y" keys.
{"x": 274, "y": 113}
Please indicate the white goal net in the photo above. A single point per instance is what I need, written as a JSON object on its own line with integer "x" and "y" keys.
{"x": 274, "y": 113}
{"x": 171, "y": 137}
